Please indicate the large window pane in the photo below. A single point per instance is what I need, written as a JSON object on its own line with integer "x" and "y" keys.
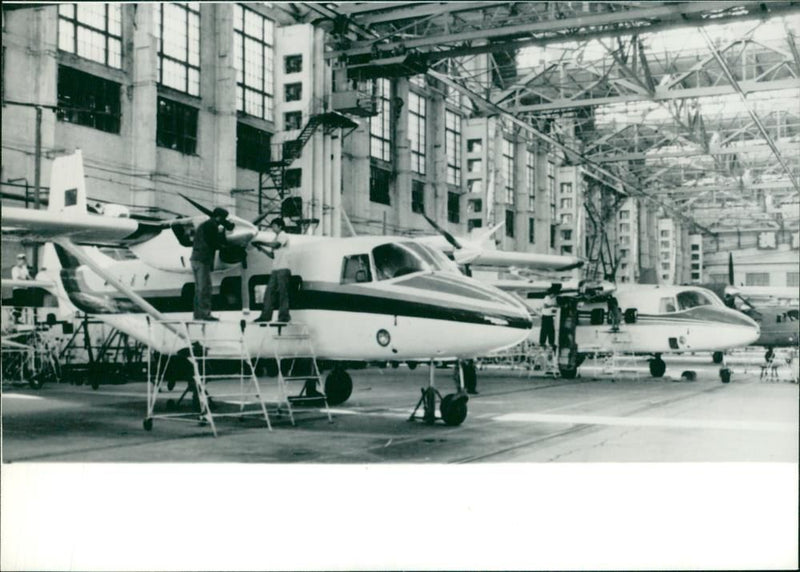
{"x": 91, "y": 31}
{"x": 253, "y": 57}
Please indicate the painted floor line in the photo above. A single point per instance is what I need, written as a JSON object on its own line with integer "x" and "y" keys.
{"x": 648, "y": 422}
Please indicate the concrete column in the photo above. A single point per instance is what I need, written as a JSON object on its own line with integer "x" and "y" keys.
{"x": 401, "y": 203}
{"x": 336, "y": 185}
{"x": 224, "y": 147}
{"x": 144, "y": 106}
{"x": 327, "y": 184}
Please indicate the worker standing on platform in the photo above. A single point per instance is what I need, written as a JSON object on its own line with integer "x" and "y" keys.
{"x": 209, "y": 238}
{"x": 277, "y": 293}
{"x": 549, "y": 311}
{"x": 19, "y": 271}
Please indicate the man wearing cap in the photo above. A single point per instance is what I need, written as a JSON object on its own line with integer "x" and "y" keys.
{"x": 277, "y": 293}
{"x": 209, "y": 238}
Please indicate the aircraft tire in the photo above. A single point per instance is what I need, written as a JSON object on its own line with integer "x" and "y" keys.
{"x": 412, "y": 365}
{"x": 657, "y": 367}
{"x": 568, "y": 372}
{"x": 453, "y": 409}
{"x": 716, "y": 357}
{"x": 725, "y": 375}
{"x": 338, "y": 386}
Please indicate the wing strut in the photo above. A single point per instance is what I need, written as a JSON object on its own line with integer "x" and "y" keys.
{"x": 108, "y": 277}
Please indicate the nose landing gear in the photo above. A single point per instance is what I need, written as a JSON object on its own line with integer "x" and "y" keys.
{"x": 452, "y": 407}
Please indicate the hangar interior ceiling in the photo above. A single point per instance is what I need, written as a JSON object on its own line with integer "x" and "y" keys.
{"x": 695, "y": 105}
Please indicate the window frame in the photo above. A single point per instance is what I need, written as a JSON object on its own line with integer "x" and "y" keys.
{"x": 266, "y": 91}
{"x": 108, "y": 36}
{"x": 417, "y": 124}
{"x": 452, "y": 146}
{"x": 380, "y": 125}
{"x": 161, "y": 57}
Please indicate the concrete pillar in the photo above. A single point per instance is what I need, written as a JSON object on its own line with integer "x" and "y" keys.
{"x": 224, "y": 148}
{"x": 401, "y": 211}
{"x": 144, "y": 106}
{"x": 336, "y": 185}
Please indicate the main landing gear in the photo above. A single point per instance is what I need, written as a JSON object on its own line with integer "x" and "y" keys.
{"x": 453, "y": 406}
{"x": 657, "y": 366}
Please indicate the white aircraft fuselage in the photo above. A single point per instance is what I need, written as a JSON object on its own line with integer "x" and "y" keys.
{"x": 345, "y": 290}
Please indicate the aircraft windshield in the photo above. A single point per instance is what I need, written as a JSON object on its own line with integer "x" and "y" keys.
{"x": 397, "y": 259}
{"x": 692, "y": 299}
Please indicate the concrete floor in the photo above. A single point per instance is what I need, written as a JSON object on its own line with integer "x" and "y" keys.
{"x": 515, "y": 418}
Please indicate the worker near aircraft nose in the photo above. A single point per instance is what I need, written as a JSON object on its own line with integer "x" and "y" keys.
{"x": 549, "y": 310}
{"x": 209, "y": 238}
{"x": 277, "y": 293}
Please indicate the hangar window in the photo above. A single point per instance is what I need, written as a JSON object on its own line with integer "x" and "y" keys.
{"x": 177, "y": 28}
{"x": 417, "y": 197}
{"x": 88, "y": 100}
{"x": 474, "y": 145}
{"x": 379, "y": 186}
{"x": 531, "y": 230}
{"x": 355, "y": 268}
{"x": 91, "y": 31}
{"x": 452, "y": 146}
{"x": 293, "y": 63}
{"x": 474, "y": 223}
{"x": 176, "y": 126}
{"x": 416, "y": 131}
{"x": 293, "y": 179}
{"x": 508, "y": 170}
{"x": 692, "y": 299}
{"x": 453, "y": 207}
{"x": 253, "y": 60}
{"x": 475, "y": 205}
{"x": 293, "y": 91}
{"x": 566, "y": 188}
{"x": 475, "y": 186}
{"x": 756, "y": 279}
{"x": 793, "y": 279}
{"x": 252, "y": 148}
{"x": 292, "y": 120}
{"x": 380, "y": 126}
{"x": 510, "y": 223}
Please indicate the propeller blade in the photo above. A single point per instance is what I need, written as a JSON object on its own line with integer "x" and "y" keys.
{"x": 198, "y": 206}
{"x": 449, "y": 237}
{"x": 260, "y": 217}
{"x": 730, "y": 268}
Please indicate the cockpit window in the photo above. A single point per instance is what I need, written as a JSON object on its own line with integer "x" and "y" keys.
{"x": 397, "y": 259}
{"x": 667, "y": 305}
{"x": 355, "y": 268}
{"x": 692, "y": 299}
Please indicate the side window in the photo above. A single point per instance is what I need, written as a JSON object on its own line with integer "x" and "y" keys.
{"x": 356, "y": 269}
{"x": 666, "y": 305}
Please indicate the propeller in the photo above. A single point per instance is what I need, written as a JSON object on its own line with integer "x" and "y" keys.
{"x": 449, "y": 237}
{"x": 205, "y": 210}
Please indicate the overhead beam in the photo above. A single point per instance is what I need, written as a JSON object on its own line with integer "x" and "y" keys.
{"x": 660, "y": 94}
{"x": 639, "y": 19}
{"x": 590, "y": 167}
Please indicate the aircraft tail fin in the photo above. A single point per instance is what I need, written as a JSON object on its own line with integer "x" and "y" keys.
{"x": 68, "y": 184}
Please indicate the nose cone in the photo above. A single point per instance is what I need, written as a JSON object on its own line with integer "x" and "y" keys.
{"x": 744, "y": 330}
{"x": 242, "y": 233}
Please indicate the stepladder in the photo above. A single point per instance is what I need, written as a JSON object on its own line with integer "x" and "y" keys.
{"x": 294, "y": 358}
{"x": 215, "y": 361}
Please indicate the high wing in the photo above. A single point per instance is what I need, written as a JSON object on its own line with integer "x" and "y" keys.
{"x": 480, "y": 251}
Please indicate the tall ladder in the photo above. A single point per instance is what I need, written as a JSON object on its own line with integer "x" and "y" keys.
{"x": 208, "y": 341}
{"x": 296, "y": 360}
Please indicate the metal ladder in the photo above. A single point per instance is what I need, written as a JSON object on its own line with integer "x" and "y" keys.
{"x": 207, "y": 341}
{"x": 291, "y": 347}
{"x": 616, "y": 361}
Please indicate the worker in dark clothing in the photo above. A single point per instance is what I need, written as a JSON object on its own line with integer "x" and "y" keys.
{"x": 209, "y": 238}
{"x": 549, "y": 311}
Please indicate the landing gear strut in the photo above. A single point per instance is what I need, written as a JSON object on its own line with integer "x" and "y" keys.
{"x": 452, "y": 407}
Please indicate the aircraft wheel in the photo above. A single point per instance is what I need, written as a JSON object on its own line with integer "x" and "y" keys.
{"x": 716, "y": 357}
{"x": 568, "y": 372}
{"x": 338, "y": 386}
{"x": 453, "y": 409}
{"x": 395, "y": 365}
{"x": 148, "y": 424}
{"x": 725, "y": 375}
{"x": 36, "y": 381}
{"x": 412, "y": 365}
{"x": 657, "y": 367}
